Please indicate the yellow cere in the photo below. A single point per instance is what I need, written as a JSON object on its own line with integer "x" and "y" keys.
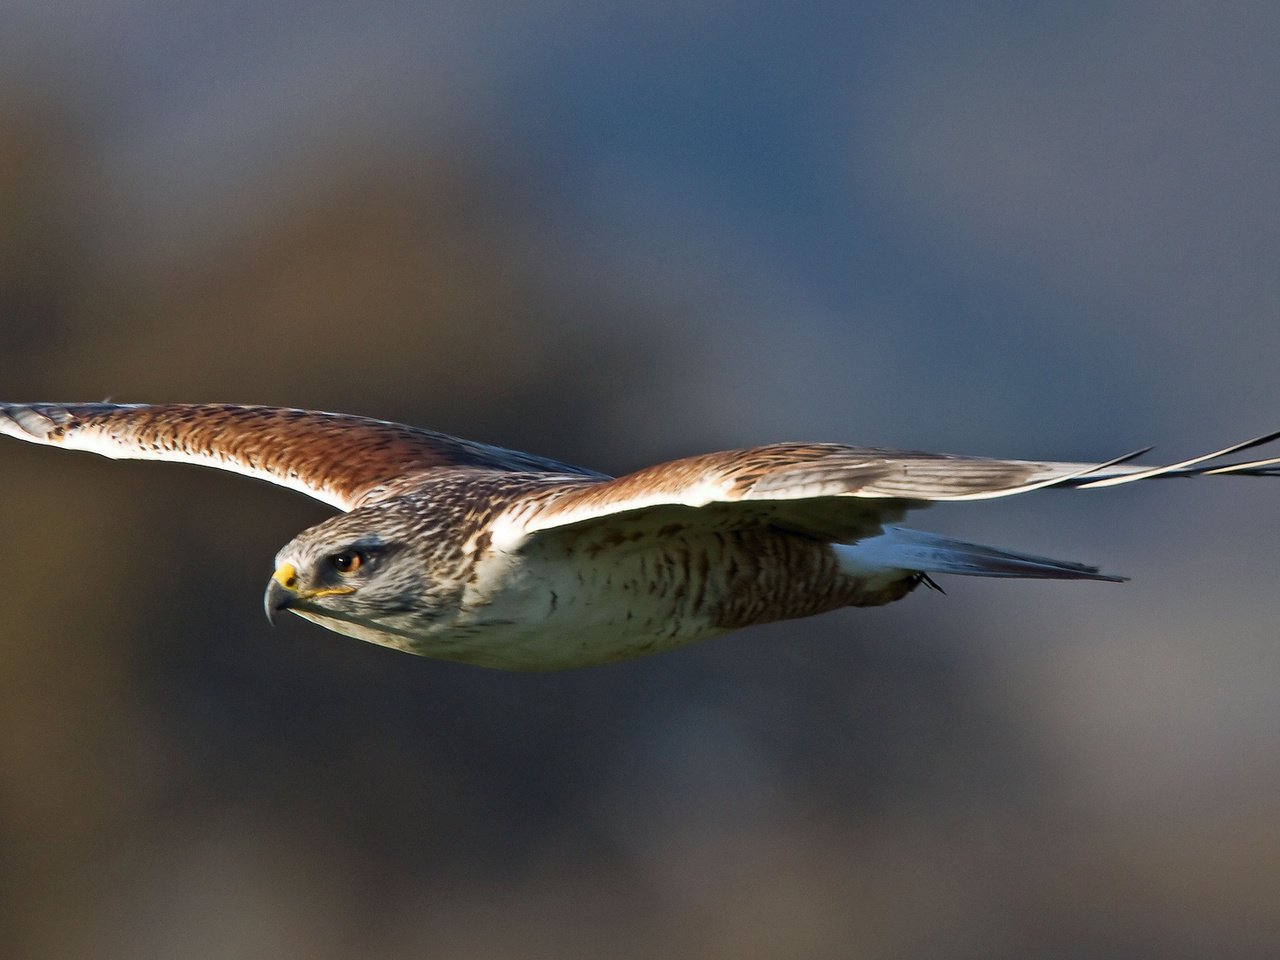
{"x": 286, "y": 576}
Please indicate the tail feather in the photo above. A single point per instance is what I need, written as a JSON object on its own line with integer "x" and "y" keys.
{"x": 919, "y": 552}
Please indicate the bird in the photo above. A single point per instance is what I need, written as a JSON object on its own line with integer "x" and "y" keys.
{"x": 463, "y": 551}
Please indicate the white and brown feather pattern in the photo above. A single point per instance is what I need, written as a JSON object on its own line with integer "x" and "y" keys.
{"x": 339, "y": 459}
{"x": 835, "y": 491}
{"x": 470, "y": 552}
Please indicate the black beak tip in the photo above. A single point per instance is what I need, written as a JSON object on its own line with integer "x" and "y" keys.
{"x": 276, "y": 598}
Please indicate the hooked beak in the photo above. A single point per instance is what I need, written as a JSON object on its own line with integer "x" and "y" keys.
{"x": 284, "y": 591}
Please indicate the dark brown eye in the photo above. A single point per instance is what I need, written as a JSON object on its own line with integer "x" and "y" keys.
{"x": 347, "y": 562}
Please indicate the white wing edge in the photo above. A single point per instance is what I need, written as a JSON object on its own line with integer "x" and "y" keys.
{"x": 26, "y": 423}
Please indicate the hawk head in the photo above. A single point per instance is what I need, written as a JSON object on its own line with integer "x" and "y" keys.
{"x": 363, "y": 574}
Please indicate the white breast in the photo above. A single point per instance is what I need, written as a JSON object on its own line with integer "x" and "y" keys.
{"x": 549, "y": 609}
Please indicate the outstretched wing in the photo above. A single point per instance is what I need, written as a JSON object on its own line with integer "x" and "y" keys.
{"x": 341, "y": 460}
{"x": 829, "y": 491}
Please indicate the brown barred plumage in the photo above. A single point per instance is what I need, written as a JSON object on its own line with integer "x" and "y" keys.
{"x": 465, "y": 551}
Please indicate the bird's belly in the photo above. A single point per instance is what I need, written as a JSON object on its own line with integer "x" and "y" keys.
{"x": 574, "y": 606}
{"x": 556, "y": 614}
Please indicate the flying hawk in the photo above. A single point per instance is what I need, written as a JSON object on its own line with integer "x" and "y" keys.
{"x": 463, "y": 551}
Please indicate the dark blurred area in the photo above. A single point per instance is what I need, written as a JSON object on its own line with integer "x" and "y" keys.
{"x": 615, "y": 235}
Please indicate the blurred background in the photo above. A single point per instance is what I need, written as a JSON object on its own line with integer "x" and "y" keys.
{"x": 617, "y": 233}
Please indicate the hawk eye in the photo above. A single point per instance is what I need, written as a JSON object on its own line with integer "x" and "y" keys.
{"x": 349, "y": 561}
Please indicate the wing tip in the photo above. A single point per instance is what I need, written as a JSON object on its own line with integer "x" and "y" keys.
{"x": 1193, "y": 467}
{"x": 36, "y": 422}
